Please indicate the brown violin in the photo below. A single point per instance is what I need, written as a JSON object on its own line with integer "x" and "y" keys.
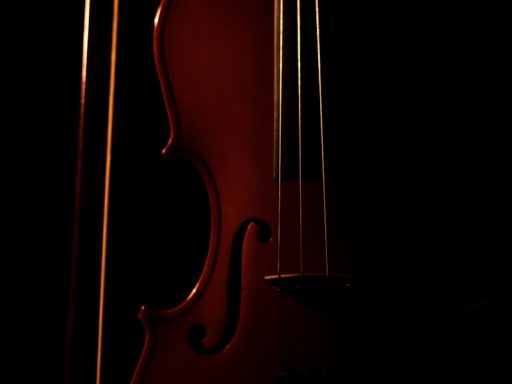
{"x": 245, "y": 84}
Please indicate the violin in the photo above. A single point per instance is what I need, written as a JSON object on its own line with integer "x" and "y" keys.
{"x": 244, "y": 89}
{"x": 252, "y": 94}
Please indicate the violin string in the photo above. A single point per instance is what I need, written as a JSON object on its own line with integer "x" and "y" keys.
{"x": 282, "y": 304}
{"x": 110, "y": 125}
{"x": 324, "y": 199}
{"x": 299, "y": 95}
{"x": 280, "y": 125}
{"x": 299, "y": 126}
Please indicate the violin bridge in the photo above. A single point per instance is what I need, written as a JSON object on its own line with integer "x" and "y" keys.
{"x": 308, "y": 285}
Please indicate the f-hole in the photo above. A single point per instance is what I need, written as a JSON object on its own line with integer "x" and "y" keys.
{"x": 198, "y": 332}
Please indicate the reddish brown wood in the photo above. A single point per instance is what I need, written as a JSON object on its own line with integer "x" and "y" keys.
{"x": 215, "y": 60}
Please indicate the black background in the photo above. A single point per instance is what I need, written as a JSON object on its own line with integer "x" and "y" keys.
{"x": 422, "y": 89}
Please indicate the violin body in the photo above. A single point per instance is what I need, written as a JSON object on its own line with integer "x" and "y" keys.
{"x": 243, "y": 322}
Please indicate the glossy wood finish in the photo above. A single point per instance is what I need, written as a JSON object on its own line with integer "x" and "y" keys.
{"x": 215, "y": 60}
